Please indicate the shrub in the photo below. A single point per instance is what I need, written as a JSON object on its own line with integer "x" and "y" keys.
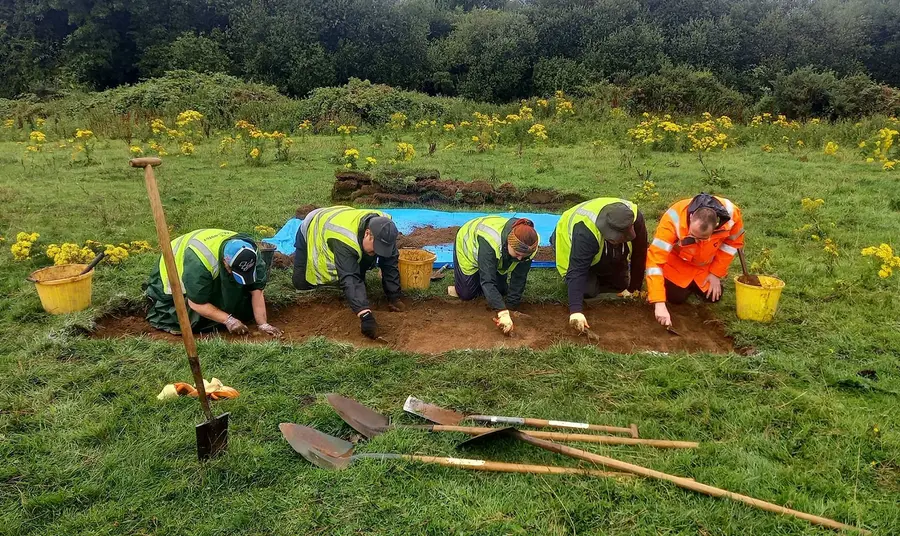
{"x": 685, "y": 91}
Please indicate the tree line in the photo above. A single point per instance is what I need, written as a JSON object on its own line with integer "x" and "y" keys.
{"x": 489, "y": 50}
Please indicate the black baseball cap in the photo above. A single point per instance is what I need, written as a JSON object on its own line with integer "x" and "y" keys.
{"x": 385, "y": 234}
{"x": 616, "y": 223}
{"x": 240, "y": 256}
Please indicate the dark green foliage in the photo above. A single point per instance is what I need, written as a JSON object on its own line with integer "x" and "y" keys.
{"x": 680, "y": 89}
{"x": 490, "y": 50}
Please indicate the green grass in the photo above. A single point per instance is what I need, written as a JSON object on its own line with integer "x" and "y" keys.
{"x": 87, "y": 449}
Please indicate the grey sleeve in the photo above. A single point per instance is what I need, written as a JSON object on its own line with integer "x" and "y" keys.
{"x": 517, "y": 281}
{"x": 584, "y": 248}
{"x": 487, "y": 273}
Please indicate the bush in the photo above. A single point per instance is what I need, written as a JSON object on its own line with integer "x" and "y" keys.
{"x": 683, "y": 90}
{"x": 370, "y": 103}
{"x": 806, "y": 93}
{"x": 552, "y": 74}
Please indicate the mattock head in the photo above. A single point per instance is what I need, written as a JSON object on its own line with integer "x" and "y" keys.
{"x": 145, "y": 161}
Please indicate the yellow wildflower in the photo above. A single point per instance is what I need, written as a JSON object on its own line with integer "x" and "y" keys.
{"x": 831, "y": 148}
{"x": 115, "y": 254}
{"x": 538, "y": 131}
{"x": 187, "y": 117}
{"x": 405, "y": 152}
{"x": 889, "y": 165}
{"x": 37, "y": 136}
{"x": 264, "y": 231}
{"x": 187, "y": 148}
{"x": 254, "y": 153}
{"x": 136, "y": 151}
{"x": 83, "y": 134}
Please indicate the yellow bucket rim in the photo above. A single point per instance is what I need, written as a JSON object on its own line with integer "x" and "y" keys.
{"x": 778, "y": 283}
{"x": 64, "y": 280}
{"x": 432, "y": 257}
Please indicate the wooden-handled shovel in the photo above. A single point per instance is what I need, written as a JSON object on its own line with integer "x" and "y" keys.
{"x": 212, "y": 435}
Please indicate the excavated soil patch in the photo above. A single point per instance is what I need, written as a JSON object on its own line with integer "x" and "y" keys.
{"x": 428, "y": 235}
{"x": 435, "y": 326}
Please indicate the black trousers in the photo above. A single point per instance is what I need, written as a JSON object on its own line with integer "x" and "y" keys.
{"x": 610, "y": 274}
{"x": 468, "y": 287}
{"x": 676, "y": 294}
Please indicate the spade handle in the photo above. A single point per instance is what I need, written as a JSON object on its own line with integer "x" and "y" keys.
{"x": 165, "y": 245}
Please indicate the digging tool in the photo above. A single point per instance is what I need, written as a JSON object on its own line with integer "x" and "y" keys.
{"x": 333, "y": 453}
{"x": 445, "y": 416}
{"x": 747, "y": 278}
{"x": 686, "y": 483}
{"x": 671, "y": 331}
{"x": 371, "y": 423}
{"x": 212, "y": 435}
{"x": 438, "y": 274}
{"x": 94, "y": 262}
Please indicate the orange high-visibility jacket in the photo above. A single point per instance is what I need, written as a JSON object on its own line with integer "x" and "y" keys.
{"x": 668, "y": 258}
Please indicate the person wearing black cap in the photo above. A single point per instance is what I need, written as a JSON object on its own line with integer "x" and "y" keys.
{"x": 222, "y": 280}
{"x": 601, "y": 246}
{"x": 340, "y": 244}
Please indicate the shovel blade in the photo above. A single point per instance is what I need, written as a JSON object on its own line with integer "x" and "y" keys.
{"x": 364, "y": 420}
{"x": 322, "y": 450}
{"x": 432, "y": 413}
{"x": 488, "y": 437}
{"x": 212, "y": 437}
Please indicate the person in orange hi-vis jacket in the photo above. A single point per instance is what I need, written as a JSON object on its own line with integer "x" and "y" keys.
{"x": 693, "y": 245}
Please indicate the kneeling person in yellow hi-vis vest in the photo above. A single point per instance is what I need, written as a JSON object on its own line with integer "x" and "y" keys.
{"x": 340, "y": 244}
{"x": 222, "y": 279}
{"x": 601, "y": 246}
{"x": 487, "y": 249}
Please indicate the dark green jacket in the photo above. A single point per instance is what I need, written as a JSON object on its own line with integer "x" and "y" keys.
{"x": 200, "y": 287}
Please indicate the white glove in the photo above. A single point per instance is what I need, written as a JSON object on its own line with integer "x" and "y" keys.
{"x": 269, "y": 329}
{"x": 235, "y": 326}
{"x": 579, "y": 322}
{"x": 504, "y": 322}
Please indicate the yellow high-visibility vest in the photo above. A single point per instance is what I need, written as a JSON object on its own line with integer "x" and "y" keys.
{"x": 585, "y": 213}
{"x": 320, "y": 226}
{"x": 206, "y": 243}
{"x": 491, "y": 229}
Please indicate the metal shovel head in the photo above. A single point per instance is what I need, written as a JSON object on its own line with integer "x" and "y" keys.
{"x": 432, "y": 413}
{"x": 364, "y": 420}
{"x": 212, "y": 437}
{"x": 322, "y": 450}
{"x": 488, "y": 437}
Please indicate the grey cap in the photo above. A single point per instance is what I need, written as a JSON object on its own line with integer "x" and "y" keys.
{"x": 616, "y": 223}
{"x": 385, "y": 234}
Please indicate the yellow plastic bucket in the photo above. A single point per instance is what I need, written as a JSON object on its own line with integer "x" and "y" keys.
{"x": 758, "y": 303}
{"x": 62, "y": 290}
{"x": 416, "y": 266}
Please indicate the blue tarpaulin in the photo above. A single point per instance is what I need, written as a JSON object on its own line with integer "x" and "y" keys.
{"x": 407, "y": 219}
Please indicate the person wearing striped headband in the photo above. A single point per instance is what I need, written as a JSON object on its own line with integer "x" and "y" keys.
{"x": 487, "y": 251}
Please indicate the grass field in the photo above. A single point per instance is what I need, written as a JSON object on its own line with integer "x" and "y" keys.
{"x": 87, "y": 449}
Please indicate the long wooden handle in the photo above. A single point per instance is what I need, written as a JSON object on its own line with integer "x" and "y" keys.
{"x": 743, "y": 261}
{"x": 686, "y": 483}
{"x": 575, "y": 438}
{"x": 498, "y": 467}
{"x": 545, "y": 423}
{"x": 165, "y": 245}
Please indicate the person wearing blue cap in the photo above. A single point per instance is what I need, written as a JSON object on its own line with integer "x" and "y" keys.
{"x": 339, "y": 245}
{"x": 222, "y": 278}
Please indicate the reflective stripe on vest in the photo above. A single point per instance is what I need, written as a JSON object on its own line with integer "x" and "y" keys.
{"x": 491, "y": 229}
{"x": 205, "y": 243}
{"x": 320, "y": 226}
{"x": 583, "y": 213}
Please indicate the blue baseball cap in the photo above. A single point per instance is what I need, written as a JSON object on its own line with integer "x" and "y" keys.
{"x": 240, "y": 256}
